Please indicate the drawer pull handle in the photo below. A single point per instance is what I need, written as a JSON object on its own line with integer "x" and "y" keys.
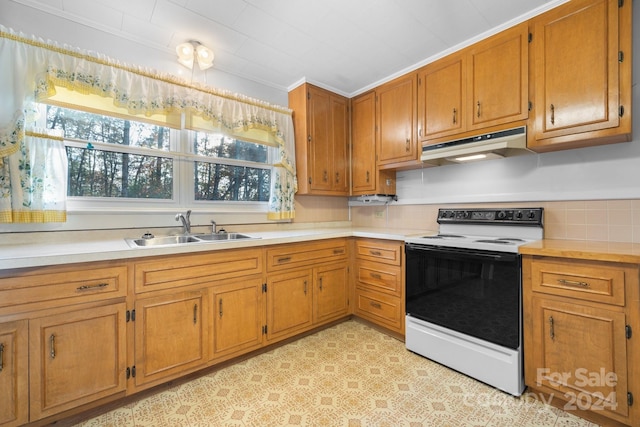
{"x": 552, "y": 333}
{"x": 376, "y": 253}
{"x": 89, "y": 287}
{"x": 376, "y": 276}
{"x": 195, "y": 313}
{"x": 220, "y": 307}
{"x": 1, "y": 356}
{"x": 573, "y": 283}
{"x": 52, "y": 346}
{"x": 320, "y": 283}
{"x": 305, "y": 287}
{"x": 375, "y": 304}
{"x": 284, "y": 259}
{"x": 338, "y": 251}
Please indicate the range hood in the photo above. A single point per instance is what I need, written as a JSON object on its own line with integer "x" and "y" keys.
{"x": 495, "y": 145}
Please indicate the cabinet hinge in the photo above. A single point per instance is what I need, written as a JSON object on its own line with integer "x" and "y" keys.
{"x": 621, "y": 111}
{"x": 131, "y": 372}
{"x": 309, "y": 180}
{"x": 530, "y": 105}
{"x": 308, "y": 95}
{"x": 264, "y": 330}
{"x": 621, "y": 56}
{"x": 629, "y": 398}
{"x": 419, "y": 81}
{"x": 530, "y": 38}
{"x": 627, "y": 331}
{"x": 264, "y": 288}
{"x": 130, "y": 315}
{"x": 620, "y": 3}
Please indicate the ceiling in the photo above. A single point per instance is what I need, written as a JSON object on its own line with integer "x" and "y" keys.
{"x": 343, "y": 45}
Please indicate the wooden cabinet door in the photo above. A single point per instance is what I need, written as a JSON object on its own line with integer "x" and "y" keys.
{"x": 170, "y": 335}
{"x": 289, "y": 303}
{"x": 331, "y": 292}
{"x": 442, "y": 92}
{"x": 579, "y": 352}
{"x": 396, "y": 119}
{"x": 237, "y": 316}
{"x": 498, "y": 78}
{"x": 363, "y": 142}
{"x": 76, "y": 358}
{"x": 319, "y": 139}
{"x": 366, "y": 178}
{"x": 576, "y": 70}
{"x": 14, "y": 386}
{"x": 321, "y": 125}
{"x": 339, "y": 129}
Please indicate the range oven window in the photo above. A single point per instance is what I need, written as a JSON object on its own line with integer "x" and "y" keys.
{"x": 477, "y": 293}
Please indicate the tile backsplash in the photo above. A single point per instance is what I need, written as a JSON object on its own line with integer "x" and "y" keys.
{"x": 601, "y": 220}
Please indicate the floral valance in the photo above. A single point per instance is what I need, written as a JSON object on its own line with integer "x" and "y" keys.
{"x": 32, "y": 69}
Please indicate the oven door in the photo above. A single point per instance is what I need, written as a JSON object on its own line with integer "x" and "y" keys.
{"x": 477, "y": 293}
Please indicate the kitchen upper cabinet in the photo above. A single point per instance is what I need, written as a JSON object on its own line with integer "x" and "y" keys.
{"x": 396, "y": 116}
{"x": 498, "y": 78}
{"x": 237, "y": 316}
{"x": 321, "y": 126}
{"x": 75, "y": 358}
{"x": 581, "y": 75}
{"x": 14, "y": 374}
{"x": 483, "y": 86}
{"x": 442, "y": 97}
{"x": 366, "y": 178}
{"x": 170, "y": 336}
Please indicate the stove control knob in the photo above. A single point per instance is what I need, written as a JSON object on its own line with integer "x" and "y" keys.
{"x": 532, "y": 214}
{"x": 502, "y": 214}
{"x": 519, "y": 215}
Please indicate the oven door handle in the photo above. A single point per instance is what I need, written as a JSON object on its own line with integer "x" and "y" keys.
{"x": 464, "y": 253}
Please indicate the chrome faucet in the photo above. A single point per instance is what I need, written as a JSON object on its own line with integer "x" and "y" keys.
{"x": 186, "y": 221}
{"x": 214, "y": 227}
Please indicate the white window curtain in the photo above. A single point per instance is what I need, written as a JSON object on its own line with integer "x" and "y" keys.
{"x": 31, "y": 69}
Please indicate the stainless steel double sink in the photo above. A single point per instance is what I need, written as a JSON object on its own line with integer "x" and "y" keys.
{"x": 187, "y": 239}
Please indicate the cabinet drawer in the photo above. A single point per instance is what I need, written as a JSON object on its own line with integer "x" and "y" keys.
{"x": 387, "y": 252}
{"x": 380, "y": 308}
{"x": 300, "y": 254}
{"x": 93, "y": 282}
{"x": 379, "y": 277}
{"x": 586, "y": 280}
{"x": 170, "y": 272}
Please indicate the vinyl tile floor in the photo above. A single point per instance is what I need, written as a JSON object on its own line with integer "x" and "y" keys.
{"x": 347, "y": 375}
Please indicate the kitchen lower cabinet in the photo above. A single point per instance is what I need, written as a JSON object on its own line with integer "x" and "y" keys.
{"x": 379, "y": 283}
{"x": 170, "y": 336}
{"x": 289, "y": 303}
{"x": 14, "y": 374}
{"x": 75, "y": 358}
{"x": 580, "y": 318}
{"x": 237, "y": 312}
{"x": 330, "y": 292}
{"x": 581, "y": 353}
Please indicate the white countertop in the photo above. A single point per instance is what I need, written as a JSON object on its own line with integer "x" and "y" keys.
{"x": 54, "y": 253}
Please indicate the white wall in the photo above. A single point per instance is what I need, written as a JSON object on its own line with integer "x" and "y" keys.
{"x": 49, "y": 27}
{"x": 594, "y": 173}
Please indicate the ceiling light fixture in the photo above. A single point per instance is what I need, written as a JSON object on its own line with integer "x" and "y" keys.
{"x": 194, "y": 51}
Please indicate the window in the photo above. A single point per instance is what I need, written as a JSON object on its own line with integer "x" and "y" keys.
{"x": 113, "y": 158}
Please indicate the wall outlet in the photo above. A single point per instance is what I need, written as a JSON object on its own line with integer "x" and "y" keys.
{"x": 379, "y": 214}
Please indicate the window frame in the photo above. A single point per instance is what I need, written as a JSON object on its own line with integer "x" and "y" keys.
{"x": 184, "y": 160}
